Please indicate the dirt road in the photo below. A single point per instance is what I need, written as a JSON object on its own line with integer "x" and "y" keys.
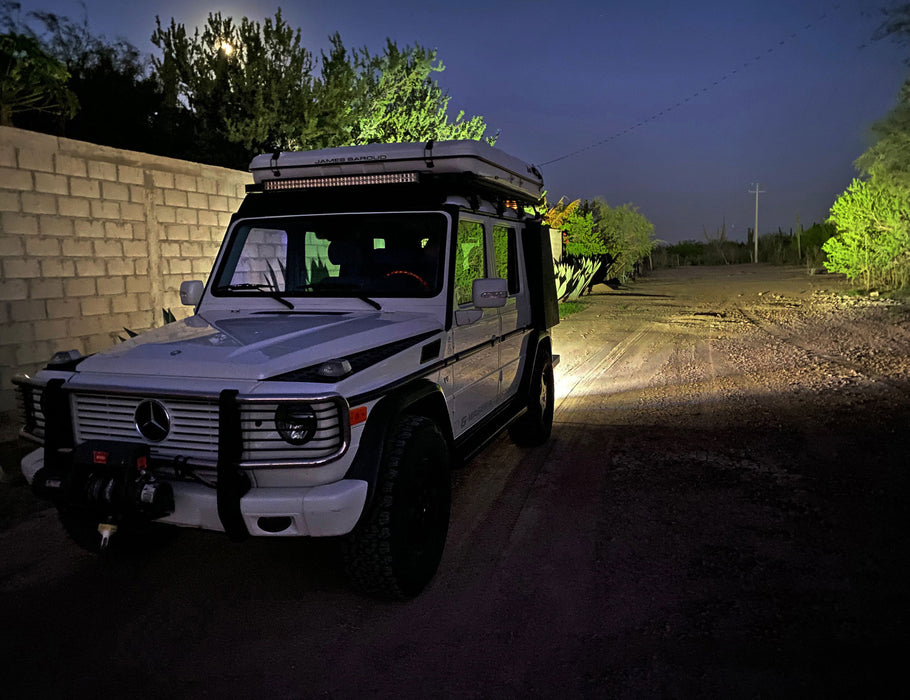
{"x": 721, "y": 513}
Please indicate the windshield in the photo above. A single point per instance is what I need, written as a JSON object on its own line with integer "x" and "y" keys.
{"x": 344, "y": 255}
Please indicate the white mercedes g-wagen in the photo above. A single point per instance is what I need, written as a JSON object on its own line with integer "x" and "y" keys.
{"x": 374, "y": 317}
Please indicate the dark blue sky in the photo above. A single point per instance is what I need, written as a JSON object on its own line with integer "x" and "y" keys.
{"x": 555, "y": 77}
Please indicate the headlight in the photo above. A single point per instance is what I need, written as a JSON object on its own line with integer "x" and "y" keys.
{"x": 296, "y": 423}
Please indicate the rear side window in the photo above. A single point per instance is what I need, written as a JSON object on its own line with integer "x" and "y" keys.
{"x": 505, "y": 250}
{"x": 469, "y": 259}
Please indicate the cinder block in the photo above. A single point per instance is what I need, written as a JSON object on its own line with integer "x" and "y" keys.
{"x": 170, "y": 250}
{"x": 142, "y": 266}
{"x": 207, "y": 217}
{"x": 186, "y": 183}
{"x": 224, "y": 218}
{"x": 191, "y": 250}
{"x": 165, "y": 215}
{"x": 45, "y": 288}
{"x": 74, "y": 207}
{"x": 13, "y": 222}
{"x": 130, "y": 175}
{"x": 175, "y": 198}
{"x": 82, "y": 327}
{"x": 79, "y": 287}
{"x": 162, "y": 179}
{"x": 206, "y": 185}
{"x": 122, "y": 267}
{"x": 10, "y": 201}
{"x": 40, "y": 246}
{"x": 140, "y": 231}
{"x": 135, "y": 249}
{"x": 50, "y": 330}
{"x": 20, "y": 268}
{"x": 14, "y": 179}
{"x": 177, "y": 232}
{"x": 186, "y": 216}
{"x": 125, "y": 303}
{"x": 90, "y": 268}
{"x": 40, "y": 160}
{"x": 118, "y": 229}
{"x": 76, "y": 248}
{"x": 83, "y": 187}
{"x": 108, "y": 249}
{"x": 115, "y": 191}
{"x": 138, "y": 193}
{"x": 51, "y": 183}
{"x": 218, "y": 203}
{"x": 10, "y": 246}
{"x": 102, "y": 171}
{"x": 132, "y": 211}
{"x": 95, "y": 306}
{"x": 60, "y": 267}
{"x": 67, "y": 165}
{"x": 39, "y": 203}
{"x": 138, "y": 285}
{"x": 62, "y": 308}
{"x": 27, "y": 310}
{"x": 111, "y": 286}
{"x": 142, "y": 320}
{"x": 180, "y": 267}
{"x": 7, "y": 155}
{"x": 195, "y": 200}
{"x": 56, "y": 226}
{"x": 202, "y": 266}
{"x": 89, "y": 228}
{"x": 102, "y": 209}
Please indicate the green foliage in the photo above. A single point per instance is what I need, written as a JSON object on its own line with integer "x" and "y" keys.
{"x": 872, "y": 244}
{"x": 249, "y": 88}
{"x": 567, "y": 308}
{"x": 31, "y": 80}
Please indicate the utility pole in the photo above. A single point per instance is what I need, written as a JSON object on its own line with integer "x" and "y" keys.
{"x": 756, "y": 192}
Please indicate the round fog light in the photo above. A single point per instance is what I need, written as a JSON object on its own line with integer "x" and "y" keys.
{"x": 296, "y": 423}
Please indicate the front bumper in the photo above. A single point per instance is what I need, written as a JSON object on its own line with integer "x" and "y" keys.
{"x": 316, "y": 511}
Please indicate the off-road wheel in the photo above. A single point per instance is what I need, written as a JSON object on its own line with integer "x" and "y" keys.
{"x": 396, "y": 547}
{"x": 534, "y": 427}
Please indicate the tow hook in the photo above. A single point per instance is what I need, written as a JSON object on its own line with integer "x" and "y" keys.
{"x": 106, "y": 530}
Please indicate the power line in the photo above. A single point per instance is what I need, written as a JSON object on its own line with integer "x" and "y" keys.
{"x": 698, "y": 93}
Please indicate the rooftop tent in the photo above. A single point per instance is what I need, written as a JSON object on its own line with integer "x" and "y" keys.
{"x": 387, "y": 163}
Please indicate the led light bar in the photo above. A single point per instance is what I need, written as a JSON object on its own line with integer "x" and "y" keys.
{"x": 303, "y": 183}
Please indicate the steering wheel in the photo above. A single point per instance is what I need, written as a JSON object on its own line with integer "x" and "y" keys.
{"x": 412, "y": 275}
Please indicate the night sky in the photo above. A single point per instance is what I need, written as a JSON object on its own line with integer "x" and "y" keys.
{"x": 797, "y": 86}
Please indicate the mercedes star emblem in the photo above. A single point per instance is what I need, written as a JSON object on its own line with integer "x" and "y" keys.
{"x": 152, "y": 420}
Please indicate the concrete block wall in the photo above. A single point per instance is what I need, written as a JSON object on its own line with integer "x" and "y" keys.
{"x": 95, "y": 239}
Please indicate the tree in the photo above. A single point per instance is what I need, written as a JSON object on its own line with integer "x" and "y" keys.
{"x": 246, "y": 87}
{"x": 31, "y": 81}
{"x": 118, "y": 99}
{"x": 249, "y": 88}
{"x": 872, "y": 243}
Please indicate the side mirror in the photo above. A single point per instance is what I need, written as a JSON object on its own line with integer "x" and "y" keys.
{"x": 191, "y": 292}
{"x": 489, "y": 293}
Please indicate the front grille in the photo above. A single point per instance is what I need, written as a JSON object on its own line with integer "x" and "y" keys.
{"x": 193, "y": 432}
{"x": 193, "y": 435}
{"x": 28, "y": 398}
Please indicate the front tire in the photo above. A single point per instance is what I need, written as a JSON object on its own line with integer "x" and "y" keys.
{"x": 535, "y": 426}
{"x": 396, "y": 548}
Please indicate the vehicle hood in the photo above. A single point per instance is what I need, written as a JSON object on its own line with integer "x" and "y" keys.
{"x": 254, "y": 346}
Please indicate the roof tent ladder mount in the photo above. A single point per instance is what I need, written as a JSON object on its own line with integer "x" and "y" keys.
{"x": 273, "y": 164}
{"x": 428, "y": 153}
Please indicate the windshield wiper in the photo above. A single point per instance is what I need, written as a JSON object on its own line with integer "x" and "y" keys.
{"x": 328, "y": 288}
{"x": 258, "y": 287}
